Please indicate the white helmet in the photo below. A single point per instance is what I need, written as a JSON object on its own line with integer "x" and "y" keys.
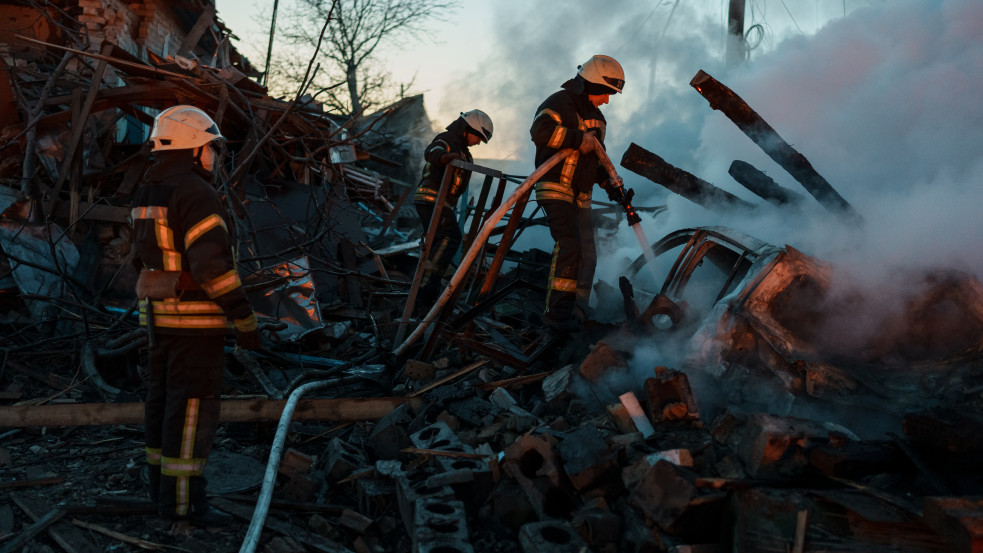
{"x": 183, "y": 127}
{"x": 603, "y": 70}
{"x": 480, "y": 123}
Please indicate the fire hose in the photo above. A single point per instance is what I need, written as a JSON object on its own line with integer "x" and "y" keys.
{"x": 616, "y": 190}
{"x": 616, "y": 187}
{"x": 476, "y": 245}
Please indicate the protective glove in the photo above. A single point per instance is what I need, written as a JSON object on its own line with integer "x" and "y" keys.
{"x": 449, "y": 157}
{"x": 249, "y": 341}
{"x": 615, "y": 190}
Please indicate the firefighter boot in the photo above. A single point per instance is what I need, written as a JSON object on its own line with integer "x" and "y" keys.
{"x": 210, "y": 517}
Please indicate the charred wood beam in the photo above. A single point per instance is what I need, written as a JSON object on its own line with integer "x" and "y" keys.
{"x": 757, "y": 129}
{"x": 78, "y": 126}
{"x": 761, "y": 184}
{"x": 27, "y": 169}
{"x": 93, "y": 414}
{"x": 117, "y": 62}
{"x": 205, "y": 20}
{"x": 651, "y": 166}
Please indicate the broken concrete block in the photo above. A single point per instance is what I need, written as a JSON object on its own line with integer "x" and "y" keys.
{"x": 636, "y": 472}
{"x": 598, "y": 525}
{"x": 295, "y": 462}
{"x": 668, "y": 496}
{"x": 959, "y": 520}
{"x": 557, "y": 388}
{"x": 586, "y": 457}
{"x": 670, "y": 397}
{"x": 342, "y": 459}
{"x": 551, "y": 536}
{"x": 300, "y": 487}
{"x": 355, "y": 521}
{"x": 439, "y": 436}
{"x": 510, "y": 505}
{"x": 320, "y": 525}
{"x": 420, "y": 370}
{"x": 502, "y": 399}
{"x": 601, "y": 360}
{"x": 389, "y": 436}
{"x": 412, "y": 487}
{"x": 533, "y": 456}
{"x": 772, "y": 446}
{"x": 531, "y": 462}
{"x": 621, "y": 418}
{"x": 375, "y": 495}
{"x": 438, "y": 521}
{"x": 458, "y": 476}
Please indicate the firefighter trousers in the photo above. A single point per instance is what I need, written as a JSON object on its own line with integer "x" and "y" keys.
{"x": 446, "y": 241}
{"x": 182, "y": 414}
{"x": 574, "y": 261}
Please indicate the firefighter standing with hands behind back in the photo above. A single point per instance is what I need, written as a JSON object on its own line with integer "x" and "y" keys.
{"x": 191, "y": 298}
{"x": 570, "y": 118}
{"x": 467, "y": 130}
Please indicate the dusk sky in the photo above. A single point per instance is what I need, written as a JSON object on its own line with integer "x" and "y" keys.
{"x": 881, "y": 97}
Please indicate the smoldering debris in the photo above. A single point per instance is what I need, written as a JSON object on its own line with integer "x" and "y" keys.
{"x": 480, "y": 438}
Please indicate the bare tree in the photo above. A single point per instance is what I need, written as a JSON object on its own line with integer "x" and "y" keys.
{"x": 355, "y": 34}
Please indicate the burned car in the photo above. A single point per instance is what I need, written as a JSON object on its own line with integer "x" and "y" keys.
{"x": 748, "y": 312}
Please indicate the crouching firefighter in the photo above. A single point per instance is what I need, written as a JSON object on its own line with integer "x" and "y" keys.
{"x": 570, "y": 118}
{"x": 190, "y": 293}
{"x": 467, "y": 130}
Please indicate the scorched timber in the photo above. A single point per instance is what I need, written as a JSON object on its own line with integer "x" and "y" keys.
{"x": 757, "y": 129}
{"x": 651, "y": 166}
{"x": 93, "y": 414}
{"x": 762, "y": 185}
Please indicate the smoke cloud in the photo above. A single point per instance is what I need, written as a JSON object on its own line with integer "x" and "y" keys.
{"x": 882, "y": 99}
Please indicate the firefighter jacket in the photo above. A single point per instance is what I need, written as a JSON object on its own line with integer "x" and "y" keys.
{"x": 561, "y": 122}
{"x": 180, "y": 230}
{"x": 450, "y": 141}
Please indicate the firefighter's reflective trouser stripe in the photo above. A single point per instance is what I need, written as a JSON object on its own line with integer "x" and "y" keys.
{"x": 572, "y": 268}
{"x": 182, "y": 414}
{"x": 446, "y": 241}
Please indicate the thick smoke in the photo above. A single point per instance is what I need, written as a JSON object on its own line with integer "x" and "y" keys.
{"x": 882, "y": 99}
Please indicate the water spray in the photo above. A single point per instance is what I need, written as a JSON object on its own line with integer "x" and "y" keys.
{"x": 616, "y": 193}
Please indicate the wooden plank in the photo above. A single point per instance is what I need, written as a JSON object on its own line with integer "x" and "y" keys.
{"x": 649, "y": 165}
{"x": 762, "y": 185}
{"x": 92, "y": 414}
{"x": 64, "y": 534}
{"x": 205, "y": 20}
{"x": 758, "y": 130}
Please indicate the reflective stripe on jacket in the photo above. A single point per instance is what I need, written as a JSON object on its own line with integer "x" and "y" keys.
{"x": 179, "y": 225}
{"x": 561, "y": 122}
{"x": 449, "y": 141}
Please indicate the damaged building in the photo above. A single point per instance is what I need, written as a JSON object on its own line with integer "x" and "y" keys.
{"x": 358, "y": 428}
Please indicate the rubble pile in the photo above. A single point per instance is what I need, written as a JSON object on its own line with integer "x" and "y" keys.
{"x": 482, "y": 457}
{"x": 480, "y": 437}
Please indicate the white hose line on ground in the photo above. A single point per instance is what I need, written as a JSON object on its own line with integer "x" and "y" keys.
{"x": 269, "y": 479}
{"x": 476, "y": 244}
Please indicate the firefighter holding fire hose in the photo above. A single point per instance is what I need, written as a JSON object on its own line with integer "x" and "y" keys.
{"x": 468, "y": 130}
{"x": 571, "y": 118}
{"x": 191, "y": 298}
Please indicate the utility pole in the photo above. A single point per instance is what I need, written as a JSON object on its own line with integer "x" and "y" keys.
{"x": 737, "y": 49}
{"x": 269, "y": 48}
